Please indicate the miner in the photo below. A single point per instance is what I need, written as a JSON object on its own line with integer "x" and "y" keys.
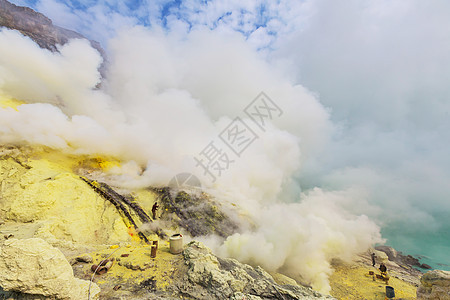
{"x": 154, "y": 209}
{"x": 373, "y": 259}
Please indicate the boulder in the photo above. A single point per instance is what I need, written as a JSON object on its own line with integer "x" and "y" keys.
{"x": 34, "y": 267}
{"x": 390, "y": 252}
{"x": 401, "y": 259}
{"x": 211, "y": 277}
{"x": 434, "y": 285}
{"x": 199, "y": 215}
{"x": 381, "y": 257}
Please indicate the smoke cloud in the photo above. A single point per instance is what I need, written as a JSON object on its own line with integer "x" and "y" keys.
{"x": 165, "y": 98}
{"x": 301, "y": 239}
{"x": 382, "y": 69}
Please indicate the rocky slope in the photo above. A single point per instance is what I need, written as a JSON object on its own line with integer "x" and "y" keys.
{"x": 40, "y": 271}
{"x": 39, "y": 28}
{"x": 210, "y": 277}
{"x": 45, "y": 203}
{"x": 354, "y": 281}
{"x": 434, "y": 285}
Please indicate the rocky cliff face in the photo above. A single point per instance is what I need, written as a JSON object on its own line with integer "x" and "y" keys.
{"x": 210, "y": 277}
{"x": 401, "y": 259}
{"x": 38, "y": 27}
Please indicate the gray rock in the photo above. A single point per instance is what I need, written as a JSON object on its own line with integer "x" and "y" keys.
{"x": 199, "y": 215}
{"x": 210, "y": 277}
{"x": 84, "y": 259}
{"x": 39, "y": 28}
{"x": 434, "y": 285}
{"x": 390, "y": 252}
{"x": 401, "y": 259}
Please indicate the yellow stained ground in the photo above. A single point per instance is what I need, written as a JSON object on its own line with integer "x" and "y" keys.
{"x": 7, "y": 102}
{"x": 354, "y": 282}
{"x": 63, "y": 159}
{"x": 42, "y": 188}
{"x": 163, "y": 268}
{"x": 73, "y": 162}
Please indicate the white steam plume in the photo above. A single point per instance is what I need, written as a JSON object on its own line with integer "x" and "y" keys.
{"x": 383, "y": 69}
{"x": 165, "y": 98}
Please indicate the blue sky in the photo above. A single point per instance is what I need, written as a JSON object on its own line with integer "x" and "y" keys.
{"x": 259, "y": 21}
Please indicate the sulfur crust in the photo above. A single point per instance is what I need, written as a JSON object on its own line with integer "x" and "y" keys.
{"x": 41, "y": 187}
{"x": 352, "y": 282}
{"x": 161, "y": 268}
{"x": 44, "y": 189}
{"x": 6, "y": 102}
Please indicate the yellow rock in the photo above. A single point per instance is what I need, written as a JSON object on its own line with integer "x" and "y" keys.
{"x": 282, "y": 279}
{"x": 6, "y": 102}
{"x": 44, "y": 189}
{"x": 32, "y": 266}
{"x": 353, "y": 282}
{"x": 138, "y": 265}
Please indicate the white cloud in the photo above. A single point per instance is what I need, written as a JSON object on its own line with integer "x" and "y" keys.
{"x": 100, "y": 20}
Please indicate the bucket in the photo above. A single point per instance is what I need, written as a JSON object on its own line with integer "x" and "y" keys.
{"x": 390, "y": 292}
{"x": 176, "y": 243}
{"x": 153, "y": 251}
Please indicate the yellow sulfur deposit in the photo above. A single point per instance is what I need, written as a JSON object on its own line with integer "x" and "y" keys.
{"x": 352, "y": 282}
{"x": 44, "y": 190}
{"x": 138, "y": 265}
{"x": 42, "y": 195}
{"x": 8, "y": 102}
{"x": 133, "y": 269}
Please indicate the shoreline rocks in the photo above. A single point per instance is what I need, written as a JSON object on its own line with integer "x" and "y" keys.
{"x": 434, "y": 285}
{"x": 399, "y": 258}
